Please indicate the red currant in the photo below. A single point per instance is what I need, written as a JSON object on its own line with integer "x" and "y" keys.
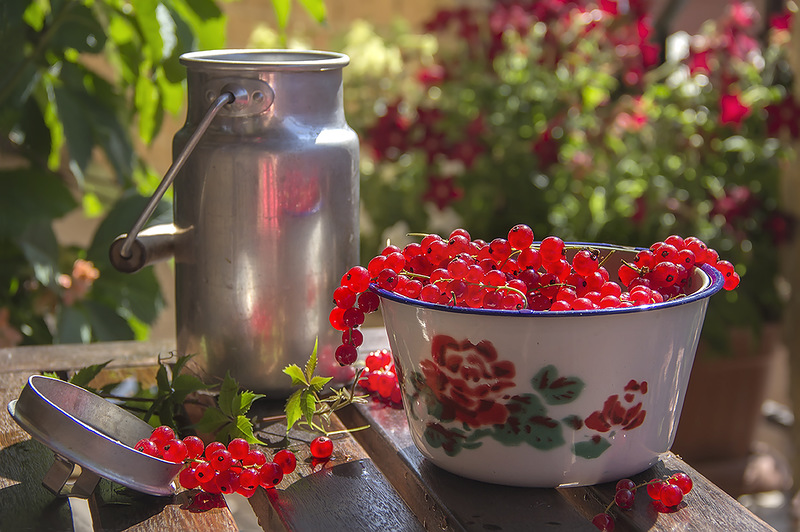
{"x": 321, "y": 447}
{"x": 221, "y": 460}
{"x": 356, "y": 279}
{"x": 286, "y": 460}
{"x": 624, "y": 499}
{"x": 162, "y": 435}
{"x": 148, "y": 447}
{"x": 270, "y": 475}
{"x": 346, "y": 354}
{"x": 239, "y": 448}
{"x": 187, "y": 478}
{"x": 194, "y": 446}
{"x": 249, "y": 479}
{"x": 671, "y": 495}
{"x": 254, "y": 458}
{"x": 603, "y": 522}
{"x": 174, "y": 451}
{"x": 683, "y": 481}
{"x": 626, "y": 484}
{"x": 520, "y": 237}
{"x": 654, "y": 488}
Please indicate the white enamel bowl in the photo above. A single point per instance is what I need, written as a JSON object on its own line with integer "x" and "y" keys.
{"x": 546, "y": 399}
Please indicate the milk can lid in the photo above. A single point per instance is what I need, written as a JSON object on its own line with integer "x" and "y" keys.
{"x": 85, "y": 429}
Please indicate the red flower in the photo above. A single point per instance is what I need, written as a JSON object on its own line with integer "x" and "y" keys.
{"x": 432, "y": 75}
{"x": 781, "y": 22}
{"x": 389, "y": 136}
{"x": 442, "y": 191}
{"x": 468, "y": 379}
{"x": 466, "y": 152}
{"x": 698, "y": 61}
{"x": 732, "y": 110}
{"x": 784, "y": 115}
{"x": 546, "y": 149}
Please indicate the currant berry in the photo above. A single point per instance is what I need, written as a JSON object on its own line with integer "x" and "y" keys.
{"x": 603, "y": 522}
{"x": 336, "y": 319}
{"x": 671, "y": 495}
{"x": 174, "y": 451}
{"x": 346, "y": 354}
{"x": 683, "y": 481}
{"x": 624, "y": 499}
{"x": 286, "y": 460}
{"x": 368, "y": 302}
{"x": 162, "y": 435}
{"x": 356, "y": 279}
{"x": 221, "y": 460}
{"x": 254, "y": 458}
{"x": 194, "y": 447}
{"x": 585, "y": 262}
{"x": 249, "y": 479}
{"x": 520, "y": 236}
{"x": 187, "y": 478}
{"x": 321, "y": 447}
{"x": 213, "y": 447}
{"x": 551, "y": 249}
{"x": 344, "y": 298}
{"x": 654, "y": 488}
{"x": 227, "y": 481}
{"x": 270, "y": 475}
{"x": 626, "y": 484}
{"x": 352, "y": 337}
{"x": 148, "y": 447}
{"x": 204, "y": 472}
{"x": 239, "y": 448}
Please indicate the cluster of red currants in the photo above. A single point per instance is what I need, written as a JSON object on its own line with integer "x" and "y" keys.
{"x": 380, "y": 378}
{"x": 218, "y": 468}
{"x": 515, "y": 273}
{"x": 666, "y": 494}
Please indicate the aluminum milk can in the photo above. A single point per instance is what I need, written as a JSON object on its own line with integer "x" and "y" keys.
{"x": 265, "y": 212}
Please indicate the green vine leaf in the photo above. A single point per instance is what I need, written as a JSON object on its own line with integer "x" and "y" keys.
{"x": 305, "y": 405}
{"x": 85, "y": 375}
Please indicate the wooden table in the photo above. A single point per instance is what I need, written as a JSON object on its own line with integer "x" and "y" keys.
{"x": 376, "y": 479}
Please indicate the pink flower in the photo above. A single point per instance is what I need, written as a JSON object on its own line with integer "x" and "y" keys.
{"x": 732, "y": 110}
{"x": 698, "y": 61}
{"x": 781, "y": 21}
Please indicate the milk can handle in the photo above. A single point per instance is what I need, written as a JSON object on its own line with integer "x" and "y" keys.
{"x": 229, "y": 95}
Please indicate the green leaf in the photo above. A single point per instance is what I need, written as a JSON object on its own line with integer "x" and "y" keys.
{"x": 282, "y": 10}
{"x": 76, "y": 27}
{"x": 244, "y": 429}
{"x": 38, "y": 243}
{"x": 308, "y": 404}
{"x": 180, "y": 363}
{"x": 30, "y": 196}
{"x": 228, "y": 400}
{"x": 315, "y": 8}
{"x": 162, "y": 381}
{"x": 245, "y": 401}
{"x": 77, "y": 129}
{"x": 185, "y": 384}
{"x": 85, "y": 375}
{"x": 72, "y": 327}
{"x": 293, "y": 410}
{"x": 213, "y": 419}
{"x": 296, "y": 374}
{"x": 318, "y": 383}
{"x": 106, "y": 324}
{"x": 311, "y": 364}
{"x": 145, "y": 14}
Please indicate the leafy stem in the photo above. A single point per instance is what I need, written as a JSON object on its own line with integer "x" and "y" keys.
{"x": 307, "y": 405}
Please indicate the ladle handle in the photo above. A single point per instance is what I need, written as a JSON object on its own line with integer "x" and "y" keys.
{"x": 226, "y": 97}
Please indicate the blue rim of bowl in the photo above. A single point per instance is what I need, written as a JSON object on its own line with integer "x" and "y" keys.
{"x": 714, "y": 285}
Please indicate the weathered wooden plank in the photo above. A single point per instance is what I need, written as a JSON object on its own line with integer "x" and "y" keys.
{"x": 74, "y": 356}
{"x": 115, "y": 507}
{"x": 346, "y": 492}
{"x": 706, "y": 507}
{"x": 443, "y": 501}
{"x": 24, "y": 503}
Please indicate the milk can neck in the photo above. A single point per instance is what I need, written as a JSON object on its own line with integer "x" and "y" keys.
{"x": 270, "y": 86}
